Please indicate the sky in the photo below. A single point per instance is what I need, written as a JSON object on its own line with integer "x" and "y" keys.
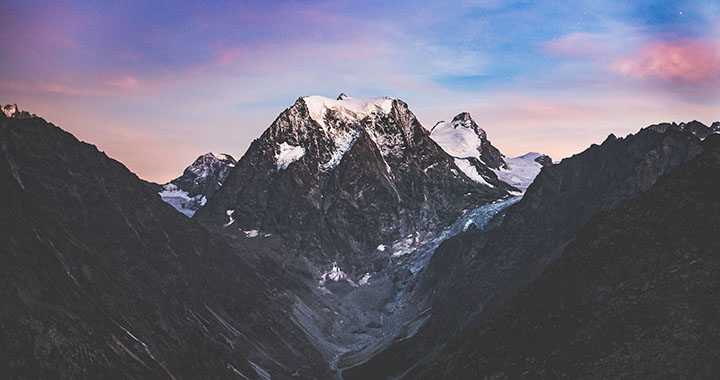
{"x": 155, "y": 84}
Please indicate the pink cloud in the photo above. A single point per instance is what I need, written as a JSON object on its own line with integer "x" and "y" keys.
{"x": 689, "y": 61}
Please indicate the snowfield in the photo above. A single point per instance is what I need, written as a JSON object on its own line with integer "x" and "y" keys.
{"x": 355, "y": 108}
{"x": 288, "y": 154}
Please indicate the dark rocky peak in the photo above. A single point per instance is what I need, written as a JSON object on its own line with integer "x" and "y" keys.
{"x": 715, "y": 127}
{"x": 198, "y": 183}
{"x": 695, "y": 127}
{"x": 12, "y": 111}
{"x": 344, "y": 176}
{"x": 342, "y": 96}
{"x": 320, "y": 130}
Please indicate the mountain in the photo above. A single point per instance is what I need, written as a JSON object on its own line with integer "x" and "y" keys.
{"x": 474, "y": 273}
{"x": 102, "y": 279}
{"x": 198, "y": 183}
{"x": 635, "y": 295}
{"x": 340, "y": 177}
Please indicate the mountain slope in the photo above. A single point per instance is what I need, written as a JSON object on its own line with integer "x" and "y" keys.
{"x": 340, "y": 177}
{"x": 101, "y": 279}
{"x": 472, "y": 274}
{"x": 198, "y": 183}
{"x": 635, "y": 295}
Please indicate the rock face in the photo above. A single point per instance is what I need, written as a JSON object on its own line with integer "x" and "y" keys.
{"x": 341, "y": 176}
{"x": 101, "y": 279}
{"x": 635, "y": 294}
{"x": 198, "y": 183}
{"x": 477, "y": 271}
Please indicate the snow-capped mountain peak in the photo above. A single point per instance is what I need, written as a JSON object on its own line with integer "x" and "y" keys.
{"x": 325, "y": 164}
{"x": 461, "y": 137}
{"x": 346, "y": 107}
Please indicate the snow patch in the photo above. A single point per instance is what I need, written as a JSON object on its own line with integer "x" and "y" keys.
{"x": 288, "y": 154}
{"x": 229, "y": 214}
{"x": 252, "y": 233}
{"x": 364, "y": 280}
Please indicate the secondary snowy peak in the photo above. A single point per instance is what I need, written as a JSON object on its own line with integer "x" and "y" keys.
{"x": 207, "y": 165}
{"x": 346, "y": 107}
{"x": 463, "y": 138}
{"x": 463, "y": 121}
{"x": 198, "y": 183}
{"x": 521, "y": 171}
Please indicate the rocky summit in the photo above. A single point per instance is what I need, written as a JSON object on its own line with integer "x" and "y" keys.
{"x": 198, "y": 183}
{"x": 341, "y": 177}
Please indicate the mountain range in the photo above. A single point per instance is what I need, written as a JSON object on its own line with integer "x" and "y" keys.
{"x": 351, "y": 242}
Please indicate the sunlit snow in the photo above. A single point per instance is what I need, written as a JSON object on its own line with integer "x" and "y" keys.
{"x": 521, "y": 170}
{"x": 288, "y": 154}
{"x": 357, "y": 108}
